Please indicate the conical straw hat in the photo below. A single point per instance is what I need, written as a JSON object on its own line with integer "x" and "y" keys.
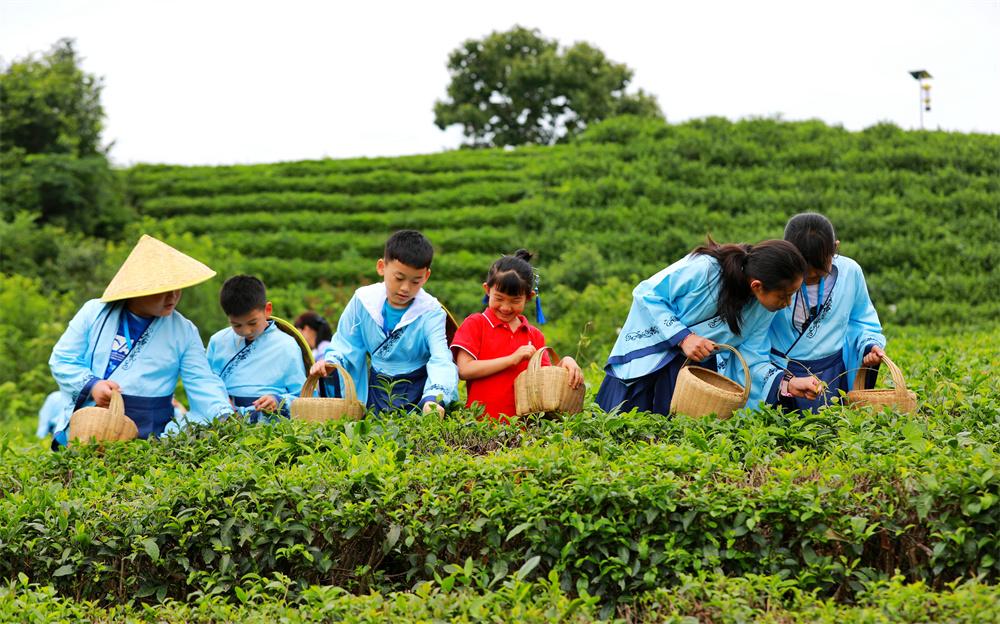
{"x": 155, "y": 267}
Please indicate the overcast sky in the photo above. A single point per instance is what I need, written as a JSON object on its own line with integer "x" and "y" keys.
{"x": 207, "y": 82}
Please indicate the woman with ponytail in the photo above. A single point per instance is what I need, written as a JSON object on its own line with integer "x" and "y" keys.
{"x": 716, "y": 294}
{"x": 493, "y": 347}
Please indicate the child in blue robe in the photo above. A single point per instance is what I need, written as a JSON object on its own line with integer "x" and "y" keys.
{"x": 133, "y": 340}
{"x": 831, "y": 329}
{"x": 55, "y": 410}
{"x": 400, "y": 329}
{"x": 260, "y": 364}
{"x": 716, "y": 294}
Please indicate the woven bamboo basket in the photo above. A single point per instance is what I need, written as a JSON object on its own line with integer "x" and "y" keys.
{"x": 315, "y": 409}
{"x": 898, "y": 398}
{"x": 103, "y": 424}
{"x": 546, "y": 389}
{"x": 700, "y": 392}
{"x": 307, "y": 355}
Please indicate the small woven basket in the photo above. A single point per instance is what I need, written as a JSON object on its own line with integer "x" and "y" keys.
{"x": 103, "y": 424}
{"x": 700, "y": 392}
{"x": 546, "y": 389}
{"x": 898, "y": 398}
{"x": 315, "y": 409}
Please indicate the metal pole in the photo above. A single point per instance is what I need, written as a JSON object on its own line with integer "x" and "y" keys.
{"x": 920, "y": 89}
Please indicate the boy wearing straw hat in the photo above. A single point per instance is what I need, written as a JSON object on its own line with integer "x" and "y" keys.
{"x": 261, "y": 365}
{"x": 400, "y": 328}
{"x": 133, "y": 340}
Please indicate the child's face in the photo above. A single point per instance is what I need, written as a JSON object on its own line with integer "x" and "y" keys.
{"x": 402, "y": 282}
{"x": 777, "y": 298}
{"x": 505, "y": 307}
{"x": 251, "y": 324}
{"x": 160, "y": 304}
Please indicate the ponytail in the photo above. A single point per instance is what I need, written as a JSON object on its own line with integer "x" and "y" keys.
{"x": 775, "y": 263}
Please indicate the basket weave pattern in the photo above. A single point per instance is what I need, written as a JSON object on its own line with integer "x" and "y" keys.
{"x": 314, "y": 409}
{"x": 700, "y": 392}
{"x": 898, "y": 398}
{"x": 546, "y": 388}
{"x": 103, "y": 424}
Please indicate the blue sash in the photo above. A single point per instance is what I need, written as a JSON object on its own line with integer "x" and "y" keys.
{"x": 406, "y": 393}
{"x": 151, "y": 414}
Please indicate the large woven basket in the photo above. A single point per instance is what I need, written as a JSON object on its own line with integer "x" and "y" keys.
{"x": 307, "y": 355}
{"x": 546, "y": 388}
{"x": 898, "y": 398}
{"x": 103, "y": 424}
{"x": 700, "y": 392}
{"x": 315, "y": 409}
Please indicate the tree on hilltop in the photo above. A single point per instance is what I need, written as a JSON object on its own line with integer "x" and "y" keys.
{"x": 517, "y": 87}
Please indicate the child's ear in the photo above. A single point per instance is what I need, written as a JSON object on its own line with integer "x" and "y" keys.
{"x": 836, "y": 247}
{"x": 756, "y": 286}
{"x": 380, "y": 266}
{"x": 486, "y": 289}
{"x": 267, "y": 310}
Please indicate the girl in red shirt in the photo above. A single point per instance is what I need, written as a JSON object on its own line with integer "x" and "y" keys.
{"x": 493, "y": 347}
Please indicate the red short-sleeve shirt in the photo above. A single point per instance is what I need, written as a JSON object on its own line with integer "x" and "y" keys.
{"x": 485, "y": 337}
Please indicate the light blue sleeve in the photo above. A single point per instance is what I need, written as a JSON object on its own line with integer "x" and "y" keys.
{"x": 293, "y": 377}
{"x": 864, "y": 328}
{"x": 765, "y": 377}
{"x": 347, "y": 347}
{"x": 442, "y": 374}
{"x": 210, "y": 354}
{"x": 70, "y": 359}
{"x": 663, "y": 300}
{"x": 205, "y": 390}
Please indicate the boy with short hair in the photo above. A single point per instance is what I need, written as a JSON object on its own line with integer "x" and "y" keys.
{"x": 401, "y": 328}
{"x": 260, "y": 365}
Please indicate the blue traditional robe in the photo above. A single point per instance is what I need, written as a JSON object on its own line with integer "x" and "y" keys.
{"x": 838, "y": 333}
{"x": 169, "y": 348}
{"x": 683, "y": 299}
{"x": 270, "y": 364}
{"x": 55, "y": 411}
{"x": 415, "y": 353}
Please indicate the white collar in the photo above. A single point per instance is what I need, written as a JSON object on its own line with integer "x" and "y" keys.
{"x": 373, "y": 297}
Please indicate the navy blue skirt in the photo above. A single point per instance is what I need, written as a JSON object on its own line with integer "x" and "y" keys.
{"x": 650, "y": 393}
{"x": 389, "y": 392}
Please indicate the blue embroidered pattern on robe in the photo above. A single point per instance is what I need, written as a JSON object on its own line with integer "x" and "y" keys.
{"x": 389, "y": 343}
{"x": 241, "y": 355}
{"x": 639, "y": 335}
{"x": 137, "y": 347}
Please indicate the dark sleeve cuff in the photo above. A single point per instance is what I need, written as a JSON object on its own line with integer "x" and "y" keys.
{"x": 772, "y": 394}
{"x": 679, "y": 336}
{"x": 85, "y": 393}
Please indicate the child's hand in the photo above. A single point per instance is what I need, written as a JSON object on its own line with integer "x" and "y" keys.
{"x": 101, "y": 392}
{"x": 266, "y": 403}
{"x": 575, "y": 377}
{"x": 805, "y": 387}
{"x": 874, "y": 357}
{"x": 431, "y": 406}
{"x": 319, "y": 368}
{"x": 523, "y": 352}
{"x": 696, "y": 347}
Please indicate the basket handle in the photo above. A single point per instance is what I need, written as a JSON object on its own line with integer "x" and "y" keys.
{"x": 117, "y": 404}
{"x": 535, "y": 363}
{"x": 746, "y": 369}
{"x": 897, "y": 376}
{"x": 350, "y": 393}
